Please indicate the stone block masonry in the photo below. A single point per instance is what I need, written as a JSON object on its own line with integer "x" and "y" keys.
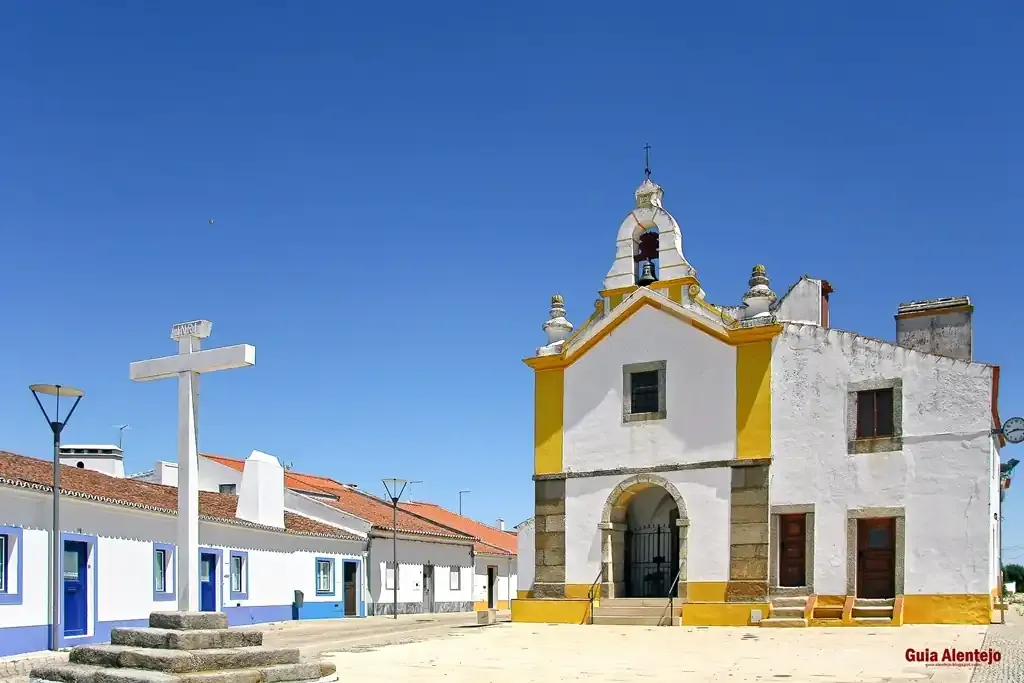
{"x": 549, "y": 539}
{"x": 749, "y": 536}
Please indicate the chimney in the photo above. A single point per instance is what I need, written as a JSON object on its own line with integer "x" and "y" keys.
{"x": 501, "y": 524}
{"x": 826, "y": 289}
{"x": 108, "y": 459}
{"x": 261, "y": 493}
{"x": 939, "y": 326}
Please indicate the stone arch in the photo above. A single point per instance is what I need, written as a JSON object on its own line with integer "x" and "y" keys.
{"x": 613, "y": 531}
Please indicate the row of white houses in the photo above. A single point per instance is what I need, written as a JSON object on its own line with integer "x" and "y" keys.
{"x": 313, "y": 549}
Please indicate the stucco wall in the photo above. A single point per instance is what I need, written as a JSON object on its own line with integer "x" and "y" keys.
{"x": 412, "y": 555}
{"x": 504, "y": 566}
{"x": 525, "y": 558}
{"x": 706, "y": 493}
{"x": 122, "y": 563}
{"x": 700, "y": 398}
{"x": 941, "y": 477}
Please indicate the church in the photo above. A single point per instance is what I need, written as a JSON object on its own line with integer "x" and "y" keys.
{"x": 706, "y": 464}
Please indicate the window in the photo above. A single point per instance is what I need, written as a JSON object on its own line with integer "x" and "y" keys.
{"x": 643, "y": 391}
{"x": 324, "y": 576}
{"x": 10, "y": 565}
{"x": 455, "y": 579}
{"x": 390, "y": 576}
{"x": 875, "y": 413}
{"x": 239, "y": 575}
{"x": 160, "y": 570}
{"x": 227, "y": 488}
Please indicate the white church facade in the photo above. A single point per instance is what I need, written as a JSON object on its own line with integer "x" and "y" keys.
{"x": 753, "y": 463}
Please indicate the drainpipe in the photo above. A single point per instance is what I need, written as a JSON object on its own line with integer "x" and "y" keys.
{"x": 369, "y": 562}
{"x": 472, "y": 577}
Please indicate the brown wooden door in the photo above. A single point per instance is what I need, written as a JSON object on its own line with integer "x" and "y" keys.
{"x": 792, "y": 550}
{"x": 351, "y": 595}
{"x": 876, "y": 558}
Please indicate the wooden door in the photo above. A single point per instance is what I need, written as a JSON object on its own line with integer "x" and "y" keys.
{"x": 349, "y": 570}
{"x": 876, "y": 558}
{"x": 793, "y": 550}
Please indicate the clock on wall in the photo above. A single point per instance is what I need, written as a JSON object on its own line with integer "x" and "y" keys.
{"x": 1013, "y": 429}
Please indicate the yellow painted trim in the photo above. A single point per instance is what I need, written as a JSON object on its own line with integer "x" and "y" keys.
{"x": 623, "y": 292}
{"x": 577, "y": 591}
{"x": 706, "y": 591}
{"x": 754, "y": 401}
{"x": 720, "y": 613}
{"x": 812, "y": 600}
{"x": 536, "y": 611}
{"x": 733, "y": 337}
{"x": 548, "y": 415}
{"x": 947, "y": 609}
{"x": 482, "y": 605}
{"x": 897, "y": 611}
{"x": 848, "y": 610}
{"x": 675, "y": 292}
{"x": 614, "y": 300}
{"x": 828, "y": 609}
{"x": 523, "y": 595}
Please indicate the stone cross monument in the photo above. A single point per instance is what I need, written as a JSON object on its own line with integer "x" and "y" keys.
{"x": 186, "y": 366}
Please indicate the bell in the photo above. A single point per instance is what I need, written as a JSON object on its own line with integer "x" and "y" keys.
{"x": 647, "y": 275}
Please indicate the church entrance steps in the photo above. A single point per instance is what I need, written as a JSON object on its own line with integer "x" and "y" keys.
{"x": 637, "y": 612}
{"x": 873, "y": 612}
{"x": 787, "y": 612}
{"x": 183, "y": 647}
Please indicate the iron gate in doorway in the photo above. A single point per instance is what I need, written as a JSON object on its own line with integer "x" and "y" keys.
{"x": 652, "y": 560}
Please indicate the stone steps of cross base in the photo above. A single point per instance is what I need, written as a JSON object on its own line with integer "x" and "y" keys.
{"x": 188, "y": 621}
{"x": 636, "y": 602}
{"x": 182, "y": 661}
{"x": 787, "y": 612}
{"x": 784, "y": 622}
{"x": 171, "y": 639}
{"x": 625, "y": 620}
{"x": 86, "y": 673}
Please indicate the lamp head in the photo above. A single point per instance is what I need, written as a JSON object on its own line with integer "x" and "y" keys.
{"x": 395, "y": 487}
{"x": 56, "y": 390}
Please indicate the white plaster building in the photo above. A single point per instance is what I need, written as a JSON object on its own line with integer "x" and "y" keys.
{"x": 118, "y": 561}
{"x": 752, "y": 462}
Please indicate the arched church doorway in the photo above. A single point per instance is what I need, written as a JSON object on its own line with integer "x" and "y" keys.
{"x": 644, "y": 540}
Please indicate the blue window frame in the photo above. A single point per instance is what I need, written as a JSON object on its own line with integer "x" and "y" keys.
{"x": 11, "y": 565}
{"x": 163, "y": 572}
{"x": 325, "y": 579}
{"x": 239, "y": 575}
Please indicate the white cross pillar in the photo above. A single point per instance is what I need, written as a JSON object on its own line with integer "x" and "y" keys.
{"x": 187, "y": 366}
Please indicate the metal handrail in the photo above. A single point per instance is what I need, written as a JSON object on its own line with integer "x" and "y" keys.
{"x": 591, "y": 593}
{"x": 672, "y": 590}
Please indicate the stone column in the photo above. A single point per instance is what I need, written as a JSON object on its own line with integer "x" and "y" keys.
{"x": 748, "y": 549}
{"x": 549, "y": 539}
{"x": 682, "y": 526}
{"x": 612, "y": 561}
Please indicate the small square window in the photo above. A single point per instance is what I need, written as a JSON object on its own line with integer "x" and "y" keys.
{"x": 239, "y": 569}
{"x": 875, "y": 413}
{"x": 3, "y": 563}
{"x": 643, "y": 391}
{"x": 324, "y": 576}
{"x": 455, "y": 579}
{"x": 390, "y": 576}
{"x": 236, "y": 573}
{"x": 160, "y": 570}
{"x": 227, "y": 488}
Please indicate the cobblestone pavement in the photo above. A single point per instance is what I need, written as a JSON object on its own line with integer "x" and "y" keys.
{"x": 1008, "y": 640}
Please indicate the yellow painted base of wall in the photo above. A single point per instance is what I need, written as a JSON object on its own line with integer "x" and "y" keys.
{"x": 522, "y": 595}
{"x": 482, "y": 604}
{"x": 721, "y": 613}
{"x": 533, "y": 611}
{"x": 706, "y": 591}
{"x": 947, "y": 609}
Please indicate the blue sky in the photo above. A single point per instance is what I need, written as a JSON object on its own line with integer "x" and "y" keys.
{"x": 399, "y": 189}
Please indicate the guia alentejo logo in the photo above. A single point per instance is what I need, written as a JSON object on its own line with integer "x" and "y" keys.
{"x": 951, "y": 656}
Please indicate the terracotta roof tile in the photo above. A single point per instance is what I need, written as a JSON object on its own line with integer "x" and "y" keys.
{"x": 83, "y": 483}
{"x": 348, "y": 499}
{"x": 490, "y": 541}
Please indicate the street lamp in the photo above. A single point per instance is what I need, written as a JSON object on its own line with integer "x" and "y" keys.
{"x": 56, "y": 426}
{"x": 395, "y": 489}
{"x": 460, "y": 499}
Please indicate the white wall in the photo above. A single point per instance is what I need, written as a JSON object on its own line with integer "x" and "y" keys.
{"x": 278, "y": 563}
{"x": 211, "y": 474}
{"x": 526, "y": 557}
{"x": 700, "y": 398}
{"x": 315, "y": 509}
{"x": 942, "y": 477}
{"x": 802, "y": 303}
{"x": 504, "y": 566}
{"x": 412, "y": 555}
{"x": 706, "y": 493}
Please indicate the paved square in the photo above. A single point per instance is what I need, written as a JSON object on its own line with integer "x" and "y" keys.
{"x": 527, "y": 653}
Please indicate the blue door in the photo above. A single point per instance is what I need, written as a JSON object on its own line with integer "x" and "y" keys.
{"x": 76, "y": 592}
{"x": 208, "y": 582}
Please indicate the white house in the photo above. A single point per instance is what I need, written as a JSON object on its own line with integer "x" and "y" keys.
{"x": 118, "y": 561}
{"x": 751, "y": 461}
{"x": 435, "y": 562}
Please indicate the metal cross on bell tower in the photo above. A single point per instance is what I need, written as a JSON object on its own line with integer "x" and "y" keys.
{"x": 647, "y": 160}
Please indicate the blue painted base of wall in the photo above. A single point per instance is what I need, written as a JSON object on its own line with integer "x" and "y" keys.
{"x": 246, "y": 616}
{"x": 320, "y": 610}
{"x": 18, "y": 640}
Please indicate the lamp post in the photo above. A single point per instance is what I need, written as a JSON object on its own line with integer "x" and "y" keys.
{"x": 56, "y": 426}
{"x": 460, "y": 499}
{"x": 395, "y": 489}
